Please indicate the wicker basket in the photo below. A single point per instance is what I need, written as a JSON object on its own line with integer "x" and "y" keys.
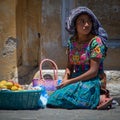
{"x": 19, "y": 100}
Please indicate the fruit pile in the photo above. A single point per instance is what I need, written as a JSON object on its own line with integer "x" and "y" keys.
{"x": 10, "y": 85}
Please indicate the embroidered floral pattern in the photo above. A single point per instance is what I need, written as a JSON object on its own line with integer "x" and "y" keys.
{"x": 95, "y": 49}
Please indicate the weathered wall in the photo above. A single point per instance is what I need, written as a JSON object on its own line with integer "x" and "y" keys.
{"x": 112, "y": 61}
{"x": 30, "y": 30}
{"x": 51, "y": 43}
{"x": 106, "y": 11}
{"x": 7, "y": 41}
{"x": 28, "y": 21}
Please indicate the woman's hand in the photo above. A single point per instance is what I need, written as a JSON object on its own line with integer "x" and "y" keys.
{"x": 63, "y": 84}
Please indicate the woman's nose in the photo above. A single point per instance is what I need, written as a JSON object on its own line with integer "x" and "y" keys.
{"x": 86, "y": 23}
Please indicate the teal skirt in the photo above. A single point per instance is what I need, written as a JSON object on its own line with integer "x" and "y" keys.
{"x": 85, "y": 95}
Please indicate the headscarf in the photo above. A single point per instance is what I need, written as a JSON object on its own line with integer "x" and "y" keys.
{"x": 97, "y": 28}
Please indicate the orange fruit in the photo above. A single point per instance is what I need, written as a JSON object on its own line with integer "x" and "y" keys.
{"x": 14, "y": 88}
{"x": 9, "y": 85}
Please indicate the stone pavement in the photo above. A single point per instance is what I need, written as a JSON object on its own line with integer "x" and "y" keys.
{"x": 79, "y": 114}
{"x": 61, "y": 114}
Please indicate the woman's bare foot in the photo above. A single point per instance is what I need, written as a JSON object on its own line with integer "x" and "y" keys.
{"x": 105, "y": 103}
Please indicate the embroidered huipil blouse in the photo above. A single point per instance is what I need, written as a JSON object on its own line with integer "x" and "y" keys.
{"x": 80, "y": 58}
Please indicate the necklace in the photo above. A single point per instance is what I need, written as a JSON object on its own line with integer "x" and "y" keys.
{"x": 80, "y": 46}
{"x": 82, "y": 42}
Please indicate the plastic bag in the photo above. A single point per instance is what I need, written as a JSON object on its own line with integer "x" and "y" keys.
{"x": 43, "y": 97}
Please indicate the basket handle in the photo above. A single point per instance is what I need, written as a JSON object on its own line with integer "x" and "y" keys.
{"x": 55, "y": 68}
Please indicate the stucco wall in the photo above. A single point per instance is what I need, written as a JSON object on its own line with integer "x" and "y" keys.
{"x": 51, "y": 43}
{"x": 28, "y": 13}
{"x": 7, "y": 39}
{"x": 30, "y": 30}
{"x": 106, "y": 11}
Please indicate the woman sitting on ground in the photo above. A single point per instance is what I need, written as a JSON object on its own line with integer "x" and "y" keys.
{"x": 80, "y": 87}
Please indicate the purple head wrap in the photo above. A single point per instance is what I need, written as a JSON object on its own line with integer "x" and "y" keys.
{"x": 97, "y": 28}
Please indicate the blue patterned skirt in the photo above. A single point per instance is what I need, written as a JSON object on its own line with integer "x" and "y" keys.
{"x": 85, "y": 95}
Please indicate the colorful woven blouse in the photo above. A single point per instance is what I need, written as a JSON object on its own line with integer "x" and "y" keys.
{"x": 81, "y": 58}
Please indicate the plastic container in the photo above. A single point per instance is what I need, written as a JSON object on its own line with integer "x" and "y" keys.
{"x": 35, "y": 82}
{"x": 59, "y": 80}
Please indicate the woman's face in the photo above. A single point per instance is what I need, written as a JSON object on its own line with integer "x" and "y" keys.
{"x": 83, "y": 24}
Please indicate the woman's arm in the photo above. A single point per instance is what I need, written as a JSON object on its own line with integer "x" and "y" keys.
{"x": 69, "y": 68}
{"x": 68, "y": 71}
{"x": 91, "y": 73}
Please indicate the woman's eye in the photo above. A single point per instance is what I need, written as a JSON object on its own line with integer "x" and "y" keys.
{"x": 82, "y": 21}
